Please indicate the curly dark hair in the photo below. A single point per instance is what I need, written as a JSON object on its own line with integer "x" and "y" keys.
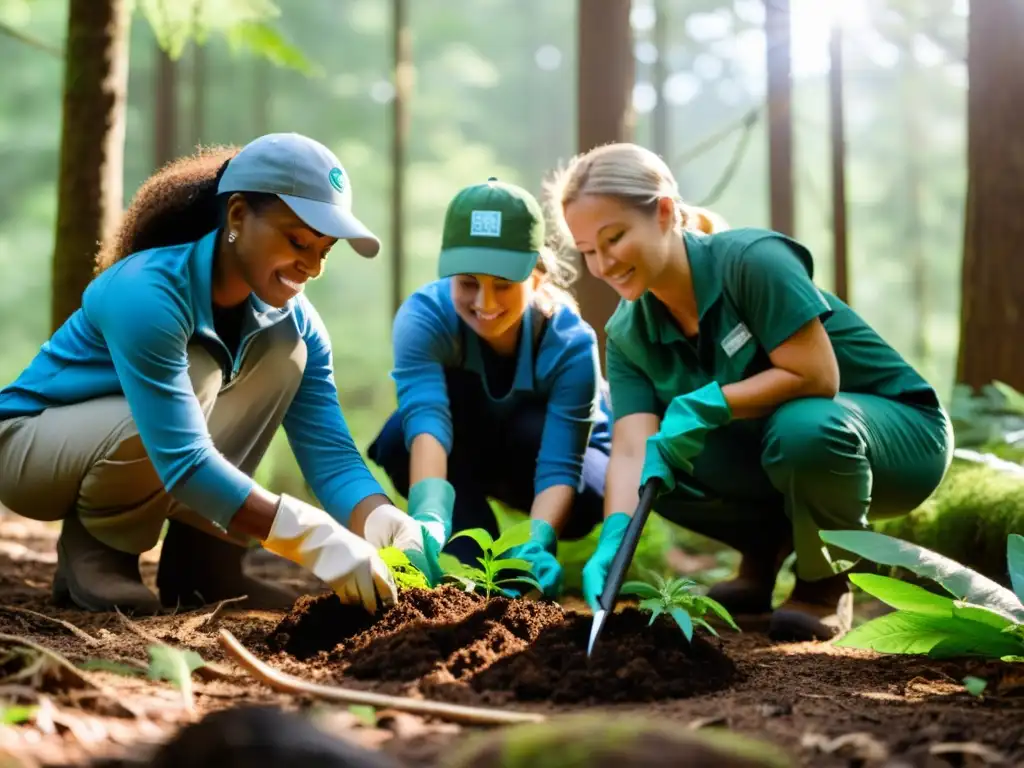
{"x": 177, "y": 204}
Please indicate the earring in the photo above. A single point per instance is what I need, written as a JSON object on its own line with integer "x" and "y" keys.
{"x": 232, "y": 235}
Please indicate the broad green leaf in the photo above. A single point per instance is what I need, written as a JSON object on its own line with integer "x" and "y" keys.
{"x": 683, "y": 619}
{"x": 981, "y": 615}
{"x": 522, "y": 579}
{"x": 679, "y": 587}
{"x": 718, "y": 609}
{"x": 650, "y": 604}
{"x": 176, "y": 667}
{"x": 962, "y": 582}
{"x": 1012, "y": 659}
{"x": 655, "y": 613}
{"x": 1015, "y": 562}
{"x": 914, "y": 633}
{"x": 1014, "y": 400}
{"x": 515, "y": 536}
{"x": 266, "y": 42}
{"x": 479, "y": 535}
{"x": 975, "y": 685}
{"x": 510, "y": 564}
{"x": 904, "y": 596}
{"x": 639, "y": 589}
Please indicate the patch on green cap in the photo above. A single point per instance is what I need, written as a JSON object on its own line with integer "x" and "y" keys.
{"x": 493, "y": 228}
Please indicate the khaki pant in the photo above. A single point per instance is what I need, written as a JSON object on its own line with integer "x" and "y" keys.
{"x": 88, "y": 458}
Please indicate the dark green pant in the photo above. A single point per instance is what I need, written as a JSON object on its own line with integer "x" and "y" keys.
{"x": 814, "y": 464}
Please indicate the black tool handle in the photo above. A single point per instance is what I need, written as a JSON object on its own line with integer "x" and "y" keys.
{"x": 620, "y": 565}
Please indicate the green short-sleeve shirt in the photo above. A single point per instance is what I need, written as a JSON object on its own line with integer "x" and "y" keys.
{"x": 754, "y": 290}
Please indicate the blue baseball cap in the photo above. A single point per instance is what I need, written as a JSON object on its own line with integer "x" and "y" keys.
{"x": 309, "y": 178}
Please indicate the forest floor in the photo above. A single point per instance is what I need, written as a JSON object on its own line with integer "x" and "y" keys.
{"x": 824, "y": 706}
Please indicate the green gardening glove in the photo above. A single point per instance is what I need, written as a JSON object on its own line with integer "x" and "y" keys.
{"x": 687, "y": 421}
{"x": 431, "y": 502}
{"x": 595, "y": 572}
{"x": 539, "y": 552}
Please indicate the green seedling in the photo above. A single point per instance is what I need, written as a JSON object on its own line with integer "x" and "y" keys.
{"x": 676, "y": 598}
{"x": 980, "y": 618}
{"x": 492, "y": 564}
{"x": 407, "y": 575}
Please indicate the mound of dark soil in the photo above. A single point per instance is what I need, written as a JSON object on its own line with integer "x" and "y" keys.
{"x": 457, "y": 646}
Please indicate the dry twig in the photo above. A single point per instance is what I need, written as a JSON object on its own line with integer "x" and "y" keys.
{"x": 211, "y": 619}
{"x": 280, "y": 681}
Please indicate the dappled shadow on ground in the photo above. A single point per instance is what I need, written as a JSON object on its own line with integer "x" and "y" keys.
{"x": 826, "y": 706}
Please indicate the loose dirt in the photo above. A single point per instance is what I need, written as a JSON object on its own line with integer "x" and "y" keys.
{"x": 824, "y": 706}
{"x": 447, "y": 644}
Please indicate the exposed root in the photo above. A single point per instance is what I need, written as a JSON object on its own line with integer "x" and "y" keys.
{"x": 284, "y": 683}
{"x": 81, "y": 634}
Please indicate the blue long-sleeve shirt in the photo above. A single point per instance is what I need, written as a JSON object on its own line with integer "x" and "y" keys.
{"x": 130, "y": 337}
{"x": 429, "y": 338}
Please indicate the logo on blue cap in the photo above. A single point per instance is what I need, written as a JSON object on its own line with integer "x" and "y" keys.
{"x": 336, "y": 179}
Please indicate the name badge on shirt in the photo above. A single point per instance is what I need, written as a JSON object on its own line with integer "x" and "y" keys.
{"x": 735, "y": 339}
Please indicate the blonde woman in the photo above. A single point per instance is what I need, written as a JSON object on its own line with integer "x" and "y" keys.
{"x": 499, "y": 387}
{"x": 768, "y": 408}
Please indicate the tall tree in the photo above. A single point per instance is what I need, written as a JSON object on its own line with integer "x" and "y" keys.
{"x": 992, "y": 304}
{"x": 90, "y": 190}
{"x": 780, "y": 116}
{"x": 606, "y": 72}
{"x": 165, "y": 109}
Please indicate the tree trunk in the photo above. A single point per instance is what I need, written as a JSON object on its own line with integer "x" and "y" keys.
{"x": 165, "y": 109}
{"x": 401, "y": 43}
{"x": 992, "y": 304}
{"x": 90, "y": 188}
{"x": 915, "y": 146}
{"x": 197, "y": 123}
{"x": 837, "y": 120}
{"x": 780, "y": 117}
{"x": 604, "y": 114}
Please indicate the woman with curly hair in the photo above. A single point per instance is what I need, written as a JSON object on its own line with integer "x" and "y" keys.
{"x": 157, "y": 399}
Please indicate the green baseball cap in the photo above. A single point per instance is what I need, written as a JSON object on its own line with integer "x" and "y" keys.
{"x": 493, "y": 228}
{"x": 309, "y": 178}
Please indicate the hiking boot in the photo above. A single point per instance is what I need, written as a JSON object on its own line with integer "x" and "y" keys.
{"x": 197, "y": 568}
{"x": 749, "y": 593}
{"x": 816, "y": 610}
{"x": 94, "y": 577}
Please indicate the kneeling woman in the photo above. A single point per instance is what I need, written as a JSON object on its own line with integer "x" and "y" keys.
{"x": 499, "y": 386}
{"x": 767, "y": 408}
{"x": 157, "y": 399}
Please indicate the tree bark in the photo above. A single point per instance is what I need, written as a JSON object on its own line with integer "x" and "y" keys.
{"x": 780, "y": 117}
{"x": 992, "y": 303}
{"x": 401, "y": 44}
{"x": 90, "y": 188}
{"x": 837, "y": 122}
{"x": 165, "y": 109}
{"x": 606, "y": 72}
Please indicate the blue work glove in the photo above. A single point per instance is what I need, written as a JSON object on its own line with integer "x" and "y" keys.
{"x": 431, "y": 502}
{"x": 539, "y": 552}
{"x": 687, "y": 421}
{"x": 595, "y": 572}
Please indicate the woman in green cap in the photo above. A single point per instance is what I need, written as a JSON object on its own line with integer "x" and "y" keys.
{"x": 766, "y": 408}
{"x": 157, "y": 399}
{"x": 499, "y": 386}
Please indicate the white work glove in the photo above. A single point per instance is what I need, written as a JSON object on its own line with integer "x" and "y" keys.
{"x": 388, "y": 526}
{"x": 350, "y": 565}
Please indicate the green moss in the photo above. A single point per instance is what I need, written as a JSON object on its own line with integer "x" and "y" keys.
{"x": 585, "y": 740}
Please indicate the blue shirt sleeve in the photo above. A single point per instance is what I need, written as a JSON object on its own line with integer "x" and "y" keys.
{"x": 146, "y": 328}
{"x": 573, "y": 409}
{"x": 424, "y": 342}
{"x": 316, "y": 428}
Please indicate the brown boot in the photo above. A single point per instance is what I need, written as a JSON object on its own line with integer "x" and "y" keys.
{"x": 816, "y": 610}
{"x": 750, "y": 592}
{"x": 95, "y": 577}
{"x": 197, "y": 568}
